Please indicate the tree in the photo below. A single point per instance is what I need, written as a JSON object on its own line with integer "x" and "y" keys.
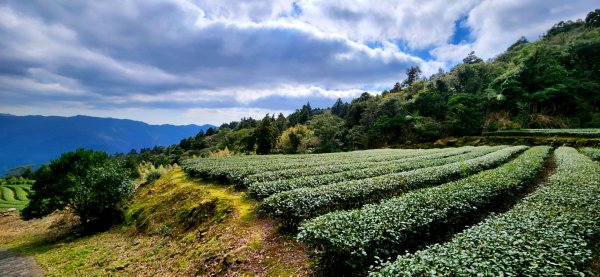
{"x": 266, "y": 135}
{"x": 593, "y": 19}
{"x": 210, "y": 131}
{"x": 465, "y": 114}
{"x": 241, "y": 141}
{"x": 356, "y": 138}
{"x": 24, "y": 171}
{"x": 397, "y": 87}
{"x": 339, "y": 108}
{"x": 357, "y": 108}
{"x": 328, "y": 129}
{"x": 281, "y": 122}
{"x": 296, "y": 139}
{"x": 472, "y": 59}
{"x": 301, "y": 116}
{"x": 563, "y": 27}
{"x": 246, "y": 123}
{"x": 89, "y": 182}
{"x": 412, "y": 75}
{"x": 521, "y": 41}
{"x": 386, "y": 129}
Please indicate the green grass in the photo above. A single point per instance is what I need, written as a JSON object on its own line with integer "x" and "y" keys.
{"x": 174, "y": 226}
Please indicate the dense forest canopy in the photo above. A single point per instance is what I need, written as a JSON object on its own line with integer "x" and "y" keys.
{"x": 550, "y": 83}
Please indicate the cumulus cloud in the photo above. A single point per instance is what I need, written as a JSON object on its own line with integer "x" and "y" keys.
{"x": 498, "y": 24}
{"x": 419, "y": 23}
{"x": 184, "y": 58}
{"x": 495, "y": 25}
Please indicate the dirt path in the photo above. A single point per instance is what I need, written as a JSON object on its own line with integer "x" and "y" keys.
{"x": 13, "y": 265}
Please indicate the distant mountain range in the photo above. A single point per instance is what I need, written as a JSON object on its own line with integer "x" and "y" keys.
{"x": 38, "y": 139}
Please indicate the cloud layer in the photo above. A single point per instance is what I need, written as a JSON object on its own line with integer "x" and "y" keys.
{"x": 184, "y": 61}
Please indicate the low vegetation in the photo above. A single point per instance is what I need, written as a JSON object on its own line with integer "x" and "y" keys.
{"x": 593, "y": 153}
{"x": 296, "y": 205}
{"x": 262, "y": 190}
{"x": 415, "y": 218}
{"x": 550, "y": 233}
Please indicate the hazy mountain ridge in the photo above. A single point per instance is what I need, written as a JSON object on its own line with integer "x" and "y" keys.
{"x": 38, "y": 139}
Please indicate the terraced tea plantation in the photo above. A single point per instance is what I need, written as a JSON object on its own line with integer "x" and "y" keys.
{"x": 355, "y": 208}
{"x": 13, "y": 193}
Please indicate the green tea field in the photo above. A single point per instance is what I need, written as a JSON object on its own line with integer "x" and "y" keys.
{"x": 13, "y": 193}
{"x": 514, "y": 210}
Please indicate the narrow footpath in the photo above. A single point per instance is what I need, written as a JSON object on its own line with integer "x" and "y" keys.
{"x": 13, "y": 265}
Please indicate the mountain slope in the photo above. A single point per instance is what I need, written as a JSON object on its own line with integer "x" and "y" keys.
{"x": 38, "y": 139}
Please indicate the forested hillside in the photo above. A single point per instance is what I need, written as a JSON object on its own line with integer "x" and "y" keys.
{"x": 553, "y": 82}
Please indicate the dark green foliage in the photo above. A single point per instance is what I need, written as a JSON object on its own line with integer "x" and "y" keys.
{"x": 301, "y": 116}
{"x": 472, "y": 59}
{"x": 412, "y": 75}
{"x": 465, "y": 114}
{"x": 89, "y": 182}
{"x": 593, "y": 19}
{"x": 296, "y": 205}
{"x": 328, "y": 128}
{"x": 518, "y": 44}
{"x": 340, "y": 108}
{"x": 563, "y": 27}
{"x": 266, "y": 134}
{"x": 24, "y": 171}
{"x": 388, "y": 228}
{"x": 281, "y": 123}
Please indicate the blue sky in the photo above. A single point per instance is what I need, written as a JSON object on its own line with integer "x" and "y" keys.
{"x": 187, "y": 61}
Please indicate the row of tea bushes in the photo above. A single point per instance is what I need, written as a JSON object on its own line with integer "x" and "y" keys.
{"x": 548, "y": 234}
{"x": 265, "y": 189}
{"x": 299, "y": 204}
{"x": 394, "y": 225}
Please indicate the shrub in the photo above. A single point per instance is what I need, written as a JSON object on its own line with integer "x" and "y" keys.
{"x": 90, "y": 182}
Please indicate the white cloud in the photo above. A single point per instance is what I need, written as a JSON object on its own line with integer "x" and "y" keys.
{"x": 218, "y": 116}
{"x": 498, "y": 24}
{"x": 419, "y": 23}
{"x": 225, "y": 59}
{"x": 452, "y": 53}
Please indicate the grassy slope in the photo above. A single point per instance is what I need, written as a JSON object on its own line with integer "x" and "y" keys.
{"x": 175, "y": 227}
